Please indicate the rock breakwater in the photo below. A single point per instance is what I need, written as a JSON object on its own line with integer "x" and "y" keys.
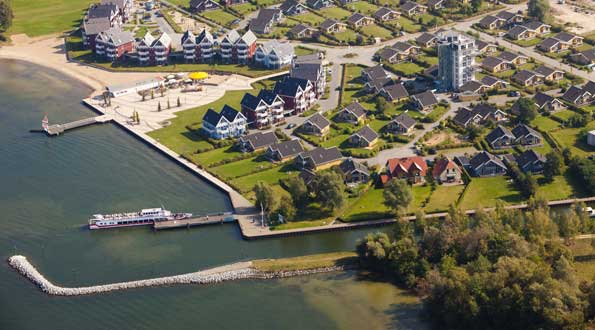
{"x": 231, "y": 272}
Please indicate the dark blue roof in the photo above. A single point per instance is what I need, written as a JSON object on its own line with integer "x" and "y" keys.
{"x": 211, "y": 117}
{"x": 267, "y": 96}
{"x": 289, "y": 86}
{"x": 229, "y": 113}
{"x": 250, "y": 101}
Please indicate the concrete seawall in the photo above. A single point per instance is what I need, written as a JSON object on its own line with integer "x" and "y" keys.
{"x": 231, "y": 272}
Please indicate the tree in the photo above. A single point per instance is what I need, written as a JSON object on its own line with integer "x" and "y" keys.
{"x": 265, "y": 197}
{"x": 6, "y": 15}
{"x": 473, "y": 131}
{"x": 286, "y": 208}
{"x": 398, "y": 195}
{"x": 527, "y": 110}
{"x": 552, "y": 166}
{"x": 158, "y": 106}
{"x": 476, "y": 5}
{"x": 382, "y": 106}
{"x": 538, "y": 9}
{"x": 297, "y": 190}
{"x": 330, "y": 190}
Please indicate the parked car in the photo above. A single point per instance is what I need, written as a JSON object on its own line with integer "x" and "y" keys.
{"x": 514, "y": 94}
{"x": 290, "y": 126}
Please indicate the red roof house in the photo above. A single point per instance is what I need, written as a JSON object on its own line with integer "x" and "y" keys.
{"x": 413, "y": 169}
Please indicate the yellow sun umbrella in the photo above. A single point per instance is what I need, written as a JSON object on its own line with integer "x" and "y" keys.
{"x": 198, "y": 75}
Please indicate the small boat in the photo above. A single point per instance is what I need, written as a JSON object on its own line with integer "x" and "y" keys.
{"x": 142, "y": 218}
{"x": 589, "y": 210}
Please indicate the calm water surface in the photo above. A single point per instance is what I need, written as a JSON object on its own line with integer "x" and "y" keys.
{"x": 50, "y": 186}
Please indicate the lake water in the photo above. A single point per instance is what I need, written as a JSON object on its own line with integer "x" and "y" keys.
{"x": 50, "y": 186}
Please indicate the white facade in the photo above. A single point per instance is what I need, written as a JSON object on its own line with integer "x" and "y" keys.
{"x": 456, "y": 64}
{"x": 591, "y": 138}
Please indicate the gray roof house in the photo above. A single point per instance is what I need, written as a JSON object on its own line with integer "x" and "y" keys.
{"x": 530, "y": 161}
{"x": 285, "y": 150}
{"x": 500, "y": 137}
{"x": 263, "y": 23}
{"x": 486, "y": 164}
{"x": 424, "y": 101}
{"x": 364, "y": 138}
{"x": 319, "y": 158}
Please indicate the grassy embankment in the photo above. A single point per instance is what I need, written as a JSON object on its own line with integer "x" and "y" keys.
{"x": 36, "y": 18}
{"x": 306, "y": 262}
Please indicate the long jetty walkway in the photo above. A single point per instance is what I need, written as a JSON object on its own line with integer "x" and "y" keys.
{"x": 58, "y": 129}
{"x": 192, "y": 222}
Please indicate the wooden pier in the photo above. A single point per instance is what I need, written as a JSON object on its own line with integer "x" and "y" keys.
{"x": 58, "y": 129}
{"x": 192, "y": 222}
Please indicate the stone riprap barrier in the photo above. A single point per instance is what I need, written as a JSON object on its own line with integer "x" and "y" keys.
{"x": 231, "y": 272}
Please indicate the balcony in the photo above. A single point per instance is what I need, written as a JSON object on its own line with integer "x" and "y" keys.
{"x": 143, "y": 48}
{"x": 161, "y": 53}
{"x": 99, "y": 52}
{"x": 225, "y": 55}
{"x": 206, "y": 55}
{"x": 189, "y": 57}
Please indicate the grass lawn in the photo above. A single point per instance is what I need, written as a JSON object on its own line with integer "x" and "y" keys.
{"x": 363, "y": 7}
{"x": 300, "y": 50}
{"x": 244, "y": 8}
{"x": 214, "y": 156}
{"x": 568, "y": 137}
{"x": 306, "y": 262}
{"x": 486, "y": 191}
{"x": 438, "y": 112}
{"x": 545, "y": 123}
{"x": 407, "y": 68}
{"x": 376, "y": 31}
{"x": 181, "y": 140}
{"x": 582, "y": 247}
{"x": 378, "y": 124}
{"x": 272, "y": 176}
{"x": 242, "y": 167}
{"x": 528, "y": 43}
{"x": 427, "y": 18}
{"x": 309, "y": 18}
{"x": 564, "y": 114}
{"x": 266, "y": 3}
{"x": 335, "y": 141}
{"x": 560, "y": 188}
{"x": 585, "y": 270}
{"x": 36, "y": 18}
{"x": 335, "y": 13}
{"x": 443, "y": 197}
{"x": 219, "y": 16}
{"x": 431, "y": 60}
{"x": 420, "y": 194}
{"x": 408, "y": 25}
{"x": 346, "y": 36}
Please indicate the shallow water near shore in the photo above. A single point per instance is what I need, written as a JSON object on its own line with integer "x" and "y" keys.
{"x": 50, "y": 186}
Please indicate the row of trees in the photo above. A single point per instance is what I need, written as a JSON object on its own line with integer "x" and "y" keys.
{"x": 6, "y": 16}
{"x": 505, "y": 269}
{"x": 327, "y": 189}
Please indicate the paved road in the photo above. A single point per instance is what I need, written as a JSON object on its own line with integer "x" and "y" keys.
{"x": 335, "y": 86}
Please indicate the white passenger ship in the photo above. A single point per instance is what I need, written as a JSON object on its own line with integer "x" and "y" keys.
{"x": 144, "y": 217}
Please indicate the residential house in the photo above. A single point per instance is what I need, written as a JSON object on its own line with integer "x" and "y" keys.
{"x": 552, "y": 45}
{"x": 435, "y": 4}
{"x": 424, "y": 101}
{"x": 354, "y": 113}
{"x": 412, "y": 169}
{"x": 114, "y": 43}
{"x": 316, "y": 125}
{"x": 302, "y": 31}
{"x": 411, "y": 9}
{"x": 188, "y": 42}
{"x": 426, "y": 40}
{"x": 385, "y": 14}
{"x": 549, "y": 74}
{"x": 511, "y": 19}
{"x": 345, "y": 2}
{"x": 263, "y": 110}
{"x": 577, "y": 95}
{"x": 199, "y": 49}
{"x": 354, "y": 172}
{"x": 526, "y": 136}
{"x": 375, "y": 73}
{"x": 319, "y": 158}
{"x": 267, "y": 17}
{"x": 154, "y": 51}
{"x": 463, "y": 162}
{"x": 358, "y": 20}
{"x": 484, "y": 47}
{"x": 109, "y": 11}
{"x": 401, "y": 124}
{"x": 274, "y": 54}
{"x": 527, "y": 78}
{"x": 319, "y": 4}
{"x": 284, "y": 151}
{"x": 364, "y": 138}
{"x": 124, "y": 8}
{"x": 394, "y": 92}
{"x": 332, "y": 26}
{"x": 466, "y": 118}
{"x": 311, "y": 70}
{"x": 292, "y": 8}
{"x": 570, "y": 39}
{"x": 539, "y": 27}
{"x": 586, "y": 57}
{"x": 229, "y": 123}
{"x": 493, "y": 82}
{"x": 244, "y": 49}
{"x": 226, "y": 45}
{"x": 406, "y": 48}
{"x": 513, "y": 58}
{"x": 446, "y": 171}
{"x": 257, "y": 141}
{"x": 500, "y": 137}
{"x": 91, "y": 28}
{"x": 486, "y": 164}
{"x": 495, "y": 64}
{"x": 298, "y": 94}
{"x": 233, "y": 2}
{"x": 479, "y": 114}
{"x": 473, "y": 87}
{"x": 491, "y": 22}
{"x": 521, "y": 32}
{"x": 391, "y": 55}
{"x": 591, "y": 138}
{"x": 199, "y": 6}
{"x": 307, "y": 177}
{"x": 530, "y": 161}
{"x": 547, "y": 103}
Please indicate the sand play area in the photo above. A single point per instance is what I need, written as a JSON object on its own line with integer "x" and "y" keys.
{"x": 581, "y": 15}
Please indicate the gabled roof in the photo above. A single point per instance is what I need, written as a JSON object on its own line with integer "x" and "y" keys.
{"x": 426, "y": 98}
{"x": 230, "y": 113}
{"x": 509, "y": 56}
{"x": 212, "y": 117}
{"x": 396, "y": 165}
{"x": 542, "y": 99}
{"x": 204, "y": 36}
{"x": 524, "y": 75}
{"x": 471, "y": 86}
{"x": 444, "y": 164}
{"x": 116, "y": 36}
{"x": 589, "y": 87}
{"x": 529, "y": 157}
{"x": 188, "y": 36}
{"x": 248, "y": 38}
{"x": 534, "y": 25}
{"x": 498, "y": 133}
{"x": 259, "y": 139}
{"x": 396, "y": 91}
{"x": 517, "y": 31}
{"x": 328, "y": 23}
{"x": 403, "y": 46}
{"x": 148, "y": 39}
{"x": 281, "y": 49}
{"x": 546, "y": 71}
{"x": 264, "y": 18}
{"x": 349, "y": 165}
{"x": 287, "y": 5}
{"x": 505, "y": 15}
{"x": 102, "y": 11}
{"x": 549, "y": 43}
{"x": 290, "y": 86}
{"x": 404, "y": 120}
{"x": 308, "y": 71}
{"x": 375, "y": 72}
{"x": 463, "y": 116}
{"x": 480, "y": 44}
{"x": 482, "y": 158}
{"x": 383, "y": 11}
{"x": 565, "y": 36}
{"x": 484, "y": 110}
{"x": 367, "y": 134}
{"x": 492, "y": 62}
{"x": 489, "y": 19}
{"x": 588, "y": 54}
{"x": 307, "y": 176}
{"x": 231, "y": 37}
{"x": 425, "y": 38}
{"x": 269, "y": 97}
{"x": 491, "y": 81}
{"x": 387, "y": 53}
{"x": 409, "y": 5}
{"x": 433, "y": 3}
{"x": 96, "y": 25}
{"x": 287, "y": 148}
{"x": 321, "y": 156}
{"x": 299, "y": 28}
{"x": 524, "y": 130}
{"x": 250, "y": 101}
{"x": 356, "y": 109}
{"x": 573, "y": 93}
{"x": 319, "y": 121}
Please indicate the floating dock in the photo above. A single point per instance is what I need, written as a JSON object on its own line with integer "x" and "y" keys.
{"x": 58, "y": 129}
{"x": 192, "y": 222}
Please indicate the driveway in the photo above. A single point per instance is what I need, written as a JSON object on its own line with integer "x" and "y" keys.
{"x": 335, "y": 85}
